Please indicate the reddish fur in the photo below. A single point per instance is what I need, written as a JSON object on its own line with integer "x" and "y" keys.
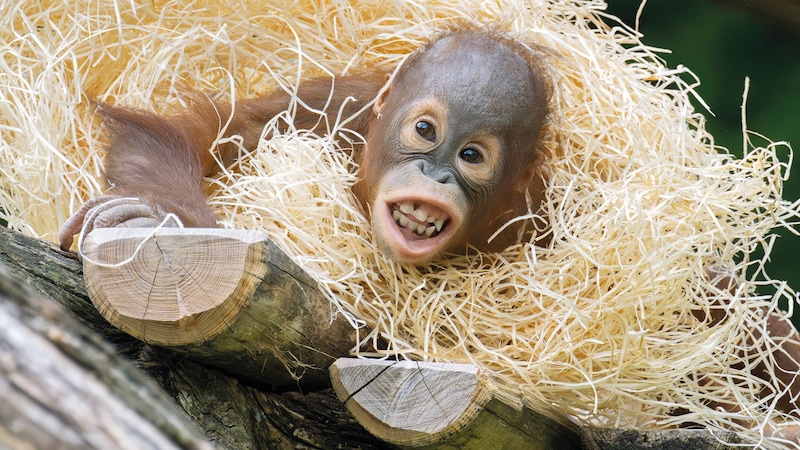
{"x": 163, "y": 160}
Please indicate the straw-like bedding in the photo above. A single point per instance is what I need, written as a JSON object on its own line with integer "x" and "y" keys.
{"x": 599, "y": 325}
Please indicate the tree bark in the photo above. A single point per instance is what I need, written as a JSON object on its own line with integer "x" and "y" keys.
{"x": 63, "y": 388}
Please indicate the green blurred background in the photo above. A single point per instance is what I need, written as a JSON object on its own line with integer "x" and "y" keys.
{"x": 723, "y": 42}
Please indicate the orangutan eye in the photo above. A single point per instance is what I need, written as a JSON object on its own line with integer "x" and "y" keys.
{"x": 426, "y": 131}
{"x": 470, "y": 155}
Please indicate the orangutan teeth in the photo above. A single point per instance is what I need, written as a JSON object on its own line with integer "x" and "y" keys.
{"x": 420, "y": 215}
{"x": 416, "y": 220}
{"x": 403, "y": 221}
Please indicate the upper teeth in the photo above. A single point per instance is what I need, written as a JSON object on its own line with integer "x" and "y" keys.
{"x": 435, "y": 224}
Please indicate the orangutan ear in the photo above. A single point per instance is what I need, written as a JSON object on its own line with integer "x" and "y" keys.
{"x": 381, "y": 101}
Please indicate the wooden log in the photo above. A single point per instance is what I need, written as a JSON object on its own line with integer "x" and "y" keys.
{"x": 172, "y": 286}
{"x": 227, "y": 298}
{"x": 62, "y": 387}
{"x": 439, "y": 405}
{"x": 230, "y": 414}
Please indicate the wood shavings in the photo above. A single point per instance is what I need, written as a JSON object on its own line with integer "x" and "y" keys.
{"x": 601, "y": 325}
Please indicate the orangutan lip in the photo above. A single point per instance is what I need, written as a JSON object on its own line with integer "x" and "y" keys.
{"x": 422, "y": 220}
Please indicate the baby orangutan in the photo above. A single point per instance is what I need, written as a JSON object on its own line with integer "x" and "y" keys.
{"x": 451, "y": 147}
{"x": 451, "y": 153}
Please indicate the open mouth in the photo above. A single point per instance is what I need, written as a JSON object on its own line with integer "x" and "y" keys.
{"x": 418, "y": 221}
{"x": 412, "y": 229}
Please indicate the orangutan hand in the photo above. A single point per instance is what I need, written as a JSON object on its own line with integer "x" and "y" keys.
{"x": 109, "y": 211}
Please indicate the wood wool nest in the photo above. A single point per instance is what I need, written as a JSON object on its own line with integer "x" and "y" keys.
{"x": 597, "y": 326}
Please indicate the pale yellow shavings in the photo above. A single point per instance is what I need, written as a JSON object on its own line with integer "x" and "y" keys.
{"x": 605, "y": 325}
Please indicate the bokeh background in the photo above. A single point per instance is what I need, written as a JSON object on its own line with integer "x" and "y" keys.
{"x": 723, "y": 42}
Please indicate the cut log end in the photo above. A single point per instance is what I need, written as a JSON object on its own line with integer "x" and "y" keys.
{"x": 172, "y": 286}
{"x": 409, "y": 402}
{"x": 441, "y": 405}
